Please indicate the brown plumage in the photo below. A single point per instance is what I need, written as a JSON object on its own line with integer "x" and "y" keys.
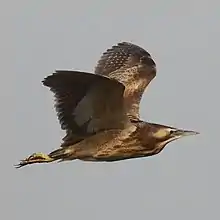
{"x": 100, "y": 113}
{"x": 131, "y": 65}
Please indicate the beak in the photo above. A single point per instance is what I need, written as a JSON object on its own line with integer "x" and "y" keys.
{"x": 183, "y": 133}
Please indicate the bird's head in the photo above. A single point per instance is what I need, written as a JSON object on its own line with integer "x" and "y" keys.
{"x": 162, "y": 135}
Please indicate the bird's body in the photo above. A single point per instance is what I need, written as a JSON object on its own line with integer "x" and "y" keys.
{"x": 109, "y": 145}
{"x": 136, "y": 140}
{"x": 100, "y": 112}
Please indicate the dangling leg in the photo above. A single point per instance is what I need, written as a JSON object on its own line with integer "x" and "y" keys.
{"x": 35, "y": 158}
{"x": 59, "y": 154}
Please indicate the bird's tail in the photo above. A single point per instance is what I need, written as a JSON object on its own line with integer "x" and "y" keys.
{"x": 59, "y": 154}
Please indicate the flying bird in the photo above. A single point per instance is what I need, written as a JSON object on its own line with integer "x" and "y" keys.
{"x": 100, "y": 112}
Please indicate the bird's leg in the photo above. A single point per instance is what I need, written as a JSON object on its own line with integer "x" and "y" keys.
{"x": 35, "y": 158}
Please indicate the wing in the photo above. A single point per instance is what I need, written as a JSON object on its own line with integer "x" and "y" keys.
{"x": 86, "y": 103}
{"x": 131, "y": 65}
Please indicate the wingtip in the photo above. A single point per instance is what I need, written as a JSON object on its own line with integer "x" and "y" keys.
{"x": 45, "y": 80}
{"x": 49, "y": 79}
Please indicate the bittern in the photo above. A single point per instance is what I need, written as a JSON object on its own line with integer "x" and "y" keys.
{"x": 100, "y": 112}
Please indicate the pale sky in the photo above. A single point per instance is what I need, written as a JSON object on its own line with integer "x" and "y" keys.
{"x": 183, "y": 181}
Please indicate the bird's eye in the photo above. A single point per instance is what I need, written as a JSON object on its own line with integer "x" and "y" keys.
{"x": 172, "y": 132}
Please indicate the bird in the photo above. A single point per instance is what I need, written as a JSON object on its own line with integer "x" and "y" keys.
{"x": 100, "y": 112}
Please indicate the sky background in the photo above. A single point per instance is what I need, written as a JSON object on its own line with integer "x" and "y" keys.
{"x": 38, "y": 37}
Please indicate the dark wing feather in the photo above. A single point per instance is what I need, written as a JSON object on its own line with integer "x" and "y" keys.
{"x": 86, "y": 103}
{"x": 131, "y": 65}
{"x": 122, "y": 55}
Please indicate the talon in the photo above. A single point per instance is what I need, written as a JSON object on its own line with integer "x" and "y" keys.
{"x": 22, "y": 163}
{"x": 34, "y": 158}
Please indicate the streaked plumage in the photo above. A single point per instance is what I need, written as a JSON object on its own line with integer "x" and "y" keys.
{"x": 131, "y": 65}
{"x": 100, "y": 112}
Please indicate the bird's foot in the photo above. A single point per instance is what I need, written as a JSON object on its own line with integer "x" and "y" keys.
{"x": 35, "y": 158}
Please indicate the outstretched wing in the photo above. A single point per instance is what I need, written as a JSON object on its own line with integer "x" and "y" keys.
{"x": 86, "y": 103}
{"x": 131, "y": 65}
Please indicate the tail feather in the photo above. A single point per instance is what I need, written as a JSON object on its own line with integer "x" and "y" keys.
{"x": 60, "y": 153}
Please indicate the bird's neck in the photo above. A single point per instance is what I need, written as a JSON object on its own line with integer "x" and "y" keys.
{"x": 133, "y": 94}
